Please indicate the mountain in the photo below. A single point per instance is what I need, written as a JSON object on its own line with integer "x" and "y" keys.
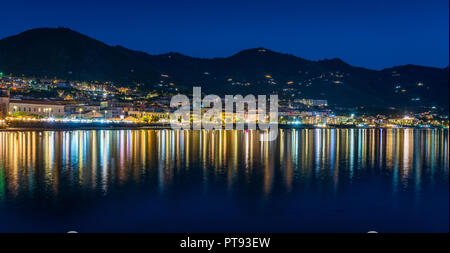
{"x": 63, "y": 53}
{"x": 67, "y": 54}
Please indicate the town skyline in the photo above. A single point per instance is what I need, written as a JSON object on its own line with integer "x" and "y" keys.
{"x": 61, "y": 53}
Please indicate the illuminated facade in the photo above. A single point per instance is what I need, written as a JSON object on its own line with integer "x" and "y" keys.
{"x": 41, "y": 108}
{"x": 4, "y": 104}
{"x": 142, "y": 114}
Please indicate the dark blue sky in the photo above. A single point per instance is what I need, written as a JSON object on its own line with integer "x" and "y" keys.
{"x": 374, "y": 34}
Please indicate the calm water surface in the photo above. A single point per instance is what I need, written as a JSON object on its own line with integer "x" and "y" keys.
{"x": 308, "y": 180}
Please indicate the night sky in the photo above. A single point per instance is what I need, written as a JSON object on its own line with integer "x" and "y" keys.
{"x": 374, "y": 34}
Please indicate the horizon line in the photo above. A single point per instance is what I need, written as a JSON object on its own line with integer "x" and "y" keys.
{"x": 223, "y": 57}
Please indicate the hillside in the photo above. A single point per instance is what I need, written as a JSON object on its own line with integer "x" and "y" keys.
{"x": 67, "y": 54}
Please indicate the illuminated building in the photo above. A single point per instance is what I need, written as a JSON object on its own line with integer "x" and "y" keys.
{"x": 42, "y": 108}
{"x": 149, "y": 114}
{"x": 4, "y": 103}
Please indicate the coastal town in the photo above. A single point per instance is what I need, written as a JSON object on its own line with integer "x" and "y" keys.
{"x": 40, "y": 100}
{"x": 224, "y": 126}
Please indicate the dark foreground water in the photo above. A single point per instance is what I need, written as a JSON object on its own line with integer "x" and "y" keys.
{"x": 316, "y": 180}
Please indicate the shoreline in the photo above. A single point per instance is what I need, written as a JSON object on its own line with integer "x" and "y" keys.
{"x": 128, "y": 126}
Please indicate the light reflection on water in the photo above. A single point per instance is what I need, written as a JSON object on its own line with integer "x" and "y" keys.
{"x": 51, "y": 164}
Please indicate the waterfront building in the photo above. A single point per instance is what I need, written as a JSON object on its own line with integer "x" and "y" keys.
{"x": 79, "y": 110}
{"x": 113, "y": 113}
{"x": 37, "y": 107}
{"x": 4, "y": 103}
{"x": 141, "y": 115}
{"x": 403, "y": 121}
{"x": 93, "y": 114}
